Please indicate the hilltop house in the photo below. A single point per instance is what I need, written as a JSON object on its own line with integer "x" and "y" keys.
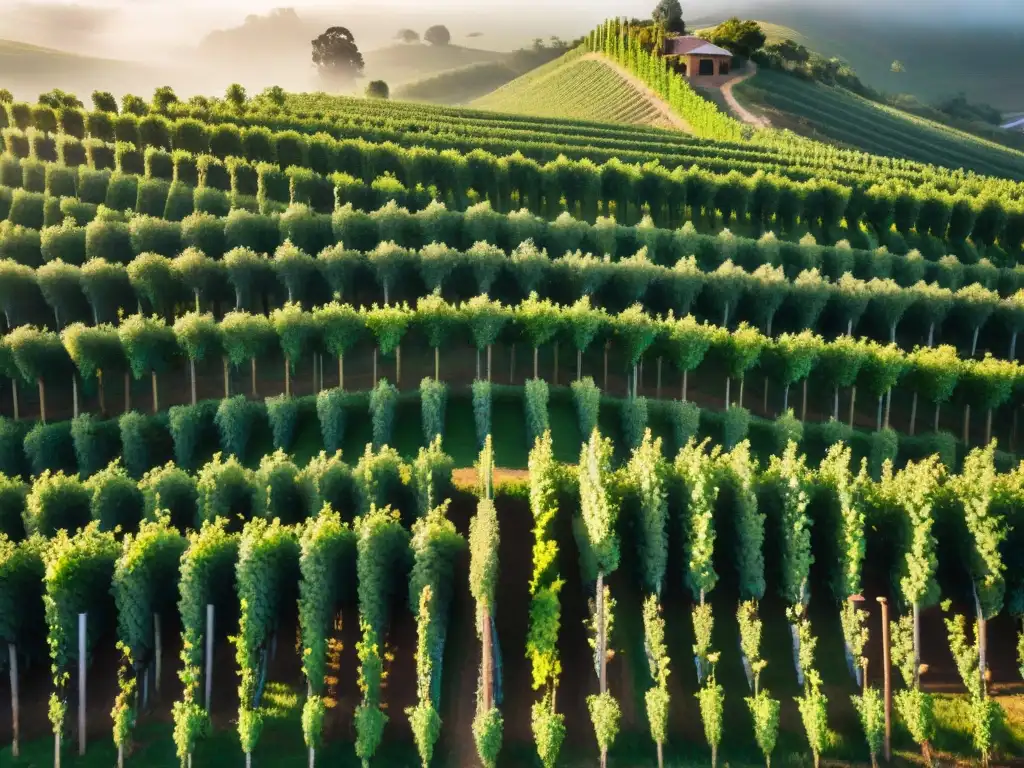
{"x": 697, "y": 57}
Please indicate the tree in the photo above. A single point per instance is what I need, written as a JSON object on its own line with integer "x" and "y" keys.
{"x": 79, "y": 571}
{"x": 163, "y": 97}
{"x": 438, "y": 35}
{"x": 911, "y": 493}
{"x": 326, "y": 563}
{"x": 106, "y": 287}
{"x": 94, "y": 349}
{"x": 599, "y": 542}
{"x": 378, "y": 89}
{"x": 60, "y": 285}
{"x": 145, "y": 587}
{"x": 974, "y": 490}
{"x": 340, "y": 326}
{"x": 104, "y": 101}
{"x": 540, "y": 320}
{"x": 437, "y": 318}
{"x": 294, "y": 268}
{"x": 337, "y": 56}
{"x": 236, "y": 96}
{"x": 198, "y": 335}
{"x": 275, "y": 94}
{"x": 245, "y": 338}
{"x": 58, "y": 99}
{"x": 741, "y": 37}
{"x": 195, "y": 271}
{"x": 669, "y": 13}
{"x": 268, "y": 556}
{"x": 933, "y": 373}
{"x": 150, "y": 346}
{"x": 657, "y": 697}
{"x": 38, "y": 354}
{"x": 408, "y": 36}
{"x": 485, "y": 319}
{"x": 296, "y": 332}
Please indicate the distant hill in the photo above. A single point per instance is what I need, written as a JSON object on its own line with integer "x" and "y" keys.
{"x": 841, "y": 117}
{"x": 986, "y": 64}
{"x": 275, "y": 48}
{"x": 581, "y": 88}
{"x": 28, "y": 70}
{"x": 403, "y": 63}
{"x": 462, "y": 85}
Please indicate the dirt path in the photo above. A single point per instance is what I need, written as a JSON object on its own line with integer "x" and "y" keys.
{"x": 466, "y": 477}
{"x": 738, "y": 109}
{"x": 652, "y": 98}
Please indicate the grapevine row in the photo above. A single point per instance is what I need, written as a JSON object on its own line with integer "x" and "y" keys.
{"x": 165, "y": 284}
{"x": 986, "y": 216}
{"x": 196, "y": 130}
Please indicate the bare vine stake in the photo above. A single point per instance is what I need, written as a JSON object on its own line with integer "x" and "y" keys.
{"x": 15, "y": 710}
{"x": 81, "y": 683}
{"x": 158, "y": 651}
{"x": 209, "y": 654}
{"x": 887, "y": 668}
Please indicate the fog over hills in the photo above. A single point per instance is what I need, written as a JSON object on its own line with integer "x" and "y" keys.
{"x": 202, "y": 45}
{"x": 151, "y": 28}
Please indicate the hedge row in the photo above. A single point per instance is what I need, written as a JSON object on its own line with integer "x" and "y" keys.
{"x": 84, "y": 459}
{"x": 726, "y": 293}
{"x": 186, "y": 127}
{"x": 148, "y": 346}
{"x": 766, "y": 199}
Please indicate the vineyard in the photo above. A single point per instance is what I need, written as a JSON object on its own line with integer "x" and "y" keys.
{"x": 338, "y": 431}
{"x": 584, "y": 88}
{"x": 832, "y": 114}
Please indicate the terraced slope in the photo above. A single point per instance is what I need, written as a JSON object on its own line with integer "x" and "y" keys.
{"x": 835, "y": 115}
{"x": 582, "y": 88}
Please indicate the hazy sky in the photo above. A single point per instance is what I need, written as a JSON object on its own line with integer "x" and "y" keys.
{"x": 167, "y": 24}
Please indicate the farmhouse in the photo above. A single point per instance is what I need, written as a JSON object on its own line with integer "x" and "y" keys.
{"x": 696, "y": 57}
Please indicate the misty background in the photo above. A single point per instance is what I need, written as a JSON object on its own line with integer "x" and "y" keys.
{"x": 201, "y": 47}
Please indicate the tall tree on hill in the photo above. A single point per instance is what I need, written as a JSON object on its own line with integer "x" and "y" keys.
{"x": 438, "y": 35}
{"x": 337, "y": 56}
{"x": 407, "y": 36}
{"x": 378, "y": 89}
{"x": 741, "y": 37}
{"x": 669, "y": 13}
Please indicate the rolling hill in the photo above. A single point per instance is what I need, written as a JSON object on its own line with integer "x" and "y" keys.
{"x": 841, "y": 117}
{"x": 463, "y": 85}
{"x": 28, "y": 70}
{"x": 583, "y": 88}
{"x": 986, "y": 63}
{"x": 398, "y": 64}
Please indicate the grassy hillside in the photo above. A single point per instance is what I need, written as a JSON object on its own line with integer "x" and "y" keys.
{"x": 838, "y": 116}
{"x": 585, "y": 89}
{"x": 401, "y": 63}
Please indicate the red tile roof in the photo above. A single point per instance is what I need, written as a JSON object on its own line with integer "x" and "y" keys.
{"x": 680, "y": 46}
